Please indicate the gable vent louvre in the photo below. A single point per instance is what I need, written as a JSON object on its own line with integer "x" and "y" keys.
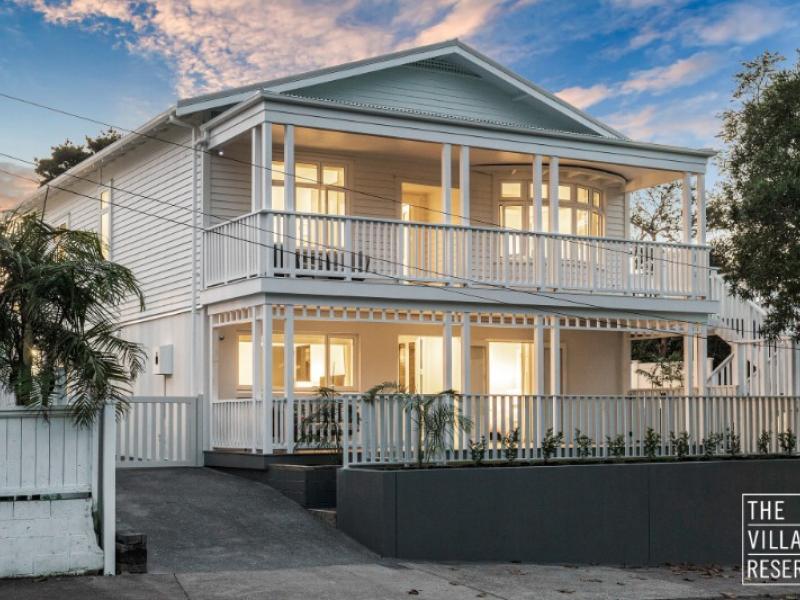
{"x": 437, "y": 64}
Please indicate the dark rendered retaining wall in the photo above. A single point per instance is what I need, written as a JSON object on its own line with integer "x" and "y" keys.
{"x": 636, "y": 514}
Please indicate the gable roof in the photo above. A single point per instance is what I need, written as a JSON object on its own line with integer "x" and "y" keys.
{"x": 517, "y": 101}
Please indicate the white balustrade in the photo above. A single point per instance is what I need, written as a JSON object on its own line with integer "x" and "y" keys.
{"x": 387, "y": 432}
{"x": 158, "y": 431}
{"x": 317, "y": 423}
{"x": 366, "y": 248}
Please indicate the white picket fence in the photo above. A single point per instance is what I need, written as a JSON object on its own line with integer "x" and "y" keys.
{"x": 387, "y": 433}
{"x": 44, "y": 457}
{"x": 159, "y": 431}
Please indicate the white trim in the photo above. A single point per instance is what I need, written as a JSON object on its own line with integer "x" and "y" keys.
{"x": 398, "y": 59}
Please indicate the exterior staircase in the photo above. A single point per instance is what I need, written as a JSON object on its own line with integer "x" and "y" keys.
{"x": 755, "y": 367}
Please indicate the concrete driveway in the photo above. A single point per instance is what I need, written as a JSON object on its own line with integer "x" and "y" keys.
{"x": 212, "y": 535}
{"x": 201, "y": 520}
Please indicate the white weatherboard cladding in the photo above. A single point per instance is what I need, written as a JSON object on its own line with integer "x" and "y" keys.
{"x": 153, "y": 239}
{"x": 172, "y": 330}
{"x": 444, "y": 94}
{"x": 230, "y": 188}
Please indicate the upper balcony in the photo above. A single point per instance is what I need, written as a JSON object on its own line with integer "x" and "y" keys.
{"x": 365, "y": 208}
{"x": 355, "y": 248}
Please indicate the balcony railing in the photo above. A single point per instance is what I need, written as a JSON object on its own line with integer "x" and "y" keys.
{"x": 271, "y": 243}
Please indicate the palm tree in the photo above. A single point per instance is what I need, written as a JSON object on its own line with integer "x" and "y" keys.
{"x": 435, "y": 418}
{"x": 58, "y": 297}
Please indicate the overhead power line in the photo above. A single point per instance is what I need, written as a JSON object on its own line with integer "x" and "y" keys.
{"x": 460, "y": 291}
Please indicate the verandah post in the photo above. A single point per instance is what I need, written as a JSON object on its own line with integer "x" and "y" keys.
{"x": 538, "y": 226}
{"x": 255, "y": 345}
{"x": 266, "y": 392}
{"x": 266, "y": 223}
{"x": 555, "y": 250}
{"x": 538, "y": 370}
{"x": 555, "y": 370}
{"x": 464, "y": 193}
{"x": 288, "y": 375}
{"x": 109, "y": 446}
{"x": 688, "y": 372}
{"x": 290, "y": 230}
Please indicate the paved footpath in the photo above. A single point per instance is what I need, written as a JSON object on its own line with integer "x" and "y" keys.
{"x": 213, "y": 535}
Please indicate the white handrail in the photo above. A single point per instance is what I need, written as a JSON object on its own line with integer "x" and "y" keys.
{"x": 353, "y": 247}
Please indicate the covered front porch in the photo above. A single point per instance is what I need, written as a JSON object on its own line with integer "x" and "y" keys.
{"x": 560, "y": 368}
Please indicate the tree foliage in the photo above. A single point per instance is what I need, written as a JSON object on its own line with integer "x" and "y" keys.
{"x": 66, "y": 155}
{"x": 656, "y": 213}
{"x": 759, "y": 201}
{"x": 58, "y": 337}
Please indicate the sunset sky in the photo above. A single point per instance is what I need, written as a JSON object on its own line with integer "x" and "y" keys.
{"x": 657, "y": 70}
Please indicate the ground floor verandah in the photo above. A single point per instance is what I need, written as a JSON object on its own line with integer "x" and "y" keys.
{"x": 517, "y": 364}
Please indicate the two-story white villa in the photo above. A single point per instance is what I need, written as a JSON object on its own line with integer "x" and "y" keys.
{"x": 426, "y": 217}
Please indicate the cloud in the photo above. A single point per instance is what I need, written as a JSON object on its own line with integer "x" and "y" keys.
{"x": 14, "y": 189}
{"x": 212, "y": 45}
{"x": 719, "y": 25}
{"x": 685, "y": 71}
{"x": 744, "y": 23}
{"x": 584, "y": 97}
{"x": 691, "y": 122}
{"x": 463, "y": 19}
{"x": 657, "y": 80}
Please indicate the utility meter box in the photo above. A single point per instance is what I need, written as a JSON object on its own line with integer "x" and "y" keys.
{"x": 162, "y": 360}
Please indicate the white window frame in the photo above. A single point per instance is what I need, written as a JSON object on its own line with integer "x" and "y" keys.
{"x": 277, "y": 339}
{"x": 320, "y": 163}
{"x": 526, "y": 201}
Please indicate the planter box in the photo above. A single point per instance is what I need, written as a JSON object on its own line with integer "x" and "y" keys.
{"x": 309, "y": 486}
{"x": 636, "y": 514}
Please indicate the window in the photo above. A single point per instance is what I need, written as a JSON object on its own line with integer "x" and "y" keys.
{"x": 313, "y": 194}
{"x": 511, "y": 189}
{"x": 581, "y": 210}
{"x": 244, "y": 349}
{"x": 510, "y": 368}
{"x": 420, "y": 365}
{"x": 105, "y": 223}
{"x": 319, "y": 360}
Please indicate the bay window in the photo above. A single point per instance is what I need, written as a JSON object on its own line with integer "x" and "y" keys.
{"x": 581, "y": 210}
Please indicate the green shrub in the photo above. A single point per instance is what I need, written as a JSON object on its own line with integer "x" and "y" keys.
{"x": 711, "y": 443}
{"x": 583, "y": 444}
{"x": 510, "y": 445}
{"x": 652, "y": 440}
{"x": 477, "y": 450}
{"x": 680, "y": 443}
{"x": 764, "y": 441}
{"x": 551, "y": 443}
{"x": 787, "y": 441}
{"x": 616, "y": 445}
{"x": 733, "y": 444}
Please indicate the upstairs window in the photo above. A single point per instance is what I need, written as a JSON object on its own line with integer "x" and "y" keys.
{"x": 319, "y": 187}
{"x": 581, "y": 208}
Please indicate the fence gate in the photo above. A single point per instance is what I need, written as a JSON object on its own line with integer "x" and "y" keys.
{"x": 159, "y": 431}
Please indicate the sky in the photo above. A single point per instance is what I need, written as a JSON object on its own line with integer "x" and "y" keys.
{"x": 658, "y": 70}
